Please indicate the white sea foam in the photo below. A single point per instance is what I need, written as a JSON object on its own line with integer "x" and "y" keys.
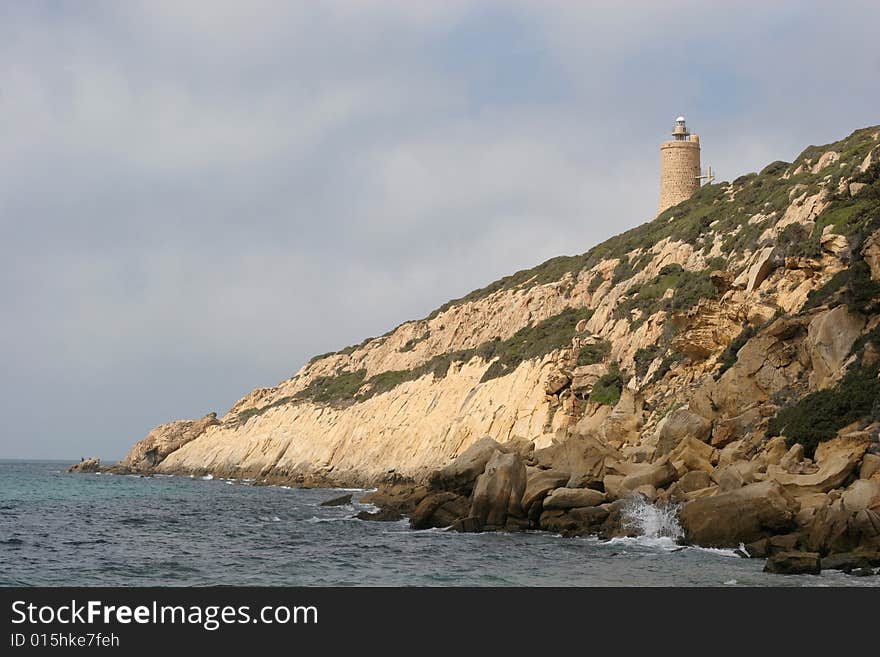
{"x": 317, "y": 519}
{"x": 650, "y": 521}
{"x": 207, "y": 477}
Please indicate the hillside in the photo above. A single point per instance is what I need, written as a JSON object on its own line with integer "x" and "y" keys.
{"x": 752, "y": 305}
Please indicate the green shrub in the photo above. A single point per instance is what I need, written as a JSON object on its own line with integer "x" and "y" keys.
{"x": 795, "y": 240}
{"x": 818, "y": 416}
{"x": 327, "y": 389}
{"x": 609, "y": 386}
{"x": 595, "y": 282}
{"x": 644, "y": 357}
{"x": 594, "y": 353}
{"x": 669, "y": 360}
{"x": 623, "y": 271}
{"x": 535, "y": 341}
{"x": 692, "y": 286}
{"x": 728, "y": 356}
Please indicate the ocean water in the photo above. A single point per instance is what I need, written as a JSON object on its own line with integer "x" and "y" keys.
{"x": 90, "y": 530}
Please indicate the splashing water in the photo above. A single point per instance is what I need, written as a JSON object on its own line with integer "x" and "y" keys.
{"x": 652, "y": 522}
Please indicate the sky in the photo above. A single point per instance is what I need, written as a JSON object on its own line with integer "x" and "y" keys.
{"x": 196, "y": 197}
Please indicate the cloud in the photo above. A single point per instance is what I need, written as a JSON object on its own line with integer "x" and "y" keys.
{"x": 196, "y": 197}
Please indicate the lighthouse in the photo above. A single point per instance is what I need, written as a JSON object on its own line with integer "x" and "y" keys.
{"x": 679, "y": 166}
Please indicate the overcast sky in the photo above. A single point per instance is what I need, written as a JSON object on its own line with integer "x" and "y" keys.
{"x": 197, "y": 197}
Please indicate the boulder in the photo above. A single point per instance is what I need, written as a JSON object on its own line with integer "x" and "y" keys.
{"x": 658, "y": 475}
{"x": 574, "y": 522}
{"x": 401, "y": 497}
{"x": 836, "y": 459}
{"x": 871, "y": 253}
{"x": 583, "y": 378}
{"x": 855, "y": 188}
{"x": 694, "y": 480}
{"x": 828, "y": 530}
{"x": 733, "y": 428}
{"x": 580, "y": 455}
{"x": 382, "y": 515}
{"x": 677, "y": 425}
{"x": 460, "y": 475}
{"x": 623, "y": 423}
{"x": 556, "y": 382}
{"x": 646, "y": 492}
{"x": 469, "y": 524}
{"x": 793, "y": 563}
{"x": 570, "y": 498}
{"x": 792, "y": 459}
{"x": 691, "y": 454}
{"x": 740, "y": 516}
{"x": 738, "y": 450}
{"x": 498, "y": 492}
{"x": 774, "y": 450}
{"x": 539, "y": 483}
{"x": 870, "y": 466}
{"x": 847, "y": 561}
{"x": 342, "y": 500}
{"x": 438, "y": 510}
{"x": 730, "y": 479}
{"x": 862, "y": 494}
{"x": 830, "y": 337}
{"x": 763, "y": 262}
{"x": 613, "y": 485}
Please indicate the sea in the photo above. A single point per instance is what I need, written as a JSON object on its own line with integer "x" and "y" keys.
{"x": 59, "y": 529}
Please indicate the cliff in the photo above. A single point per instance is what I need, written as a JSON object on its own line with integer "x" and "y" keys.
{"x": 735, "y": 306}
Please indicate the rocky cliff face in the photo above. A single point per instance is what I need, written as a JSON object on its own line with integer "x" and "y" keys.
{"x": 708, "y": 327}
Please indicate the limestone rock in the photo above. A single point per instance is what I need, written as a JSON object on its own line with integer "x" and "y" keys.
{"x": 382, "y": 515}
{"x": 438, "y": 510}
{"x": 762, "y": 263}
{"x": 793, "y": 563}
{"x": 871, "y": 253}
{"x": 679, "y": 424}
{"x": 848, "y": 561}
{"x": 584, "y": 377}
{"x": 741, "y": 516}
{"x": 574, "y": 522}
{"x": 855, "y": 188}
{"x": 164, "y": 440}
{"x": 730, "y": 429}
{"x": 86, "y": 466}
{"x": 694, "y": 480}
{"x": 461, "y": 474}
{"x": 570, "y": 498}
{"x": 498, "y": 492}
{"x": 539, "y": 483}
{"x": 657, "y": 475}
{"x": 870, "y": 466}
{"x": 826, "y": 159}
{"x": 836, "y": 459}
{"x": 862, "y": 494}
{"x": 556, "y": 382}
{"x": 829, "y": 340}
{"x": 583, "y": 456}
{"x": 625, "y": 420}
{"x": 342, "y": 500}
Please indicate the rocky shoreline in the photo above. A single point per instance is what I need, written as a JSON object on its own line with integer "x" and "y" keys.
{"x": 767, "y": 501}
{"x": 800, "y": 523}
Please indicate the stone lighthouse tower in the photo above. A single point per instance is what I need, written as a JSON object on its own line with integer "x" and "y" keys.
{"x": 679, "y": 166}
